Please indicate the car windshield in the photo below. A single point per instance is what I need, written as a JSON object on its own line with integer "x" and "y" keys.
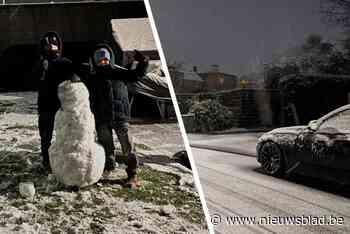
{"x": 336, "y": 120}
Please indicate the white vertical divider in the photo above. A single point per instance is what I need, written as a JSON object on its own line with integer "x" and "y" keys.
{"x": 178, "y": 115}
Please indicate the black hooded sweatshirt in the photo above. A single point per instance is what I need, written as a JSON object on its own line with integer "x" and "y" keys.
{"x": 51, "y": 71}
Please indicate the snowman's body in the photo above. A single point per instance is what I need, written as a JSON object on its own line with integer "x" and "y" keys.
{"x": 75, "y": 157}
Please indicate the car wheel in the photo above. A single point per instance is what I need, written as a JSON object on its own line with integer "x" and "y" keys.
{"x": 271, "y": 159}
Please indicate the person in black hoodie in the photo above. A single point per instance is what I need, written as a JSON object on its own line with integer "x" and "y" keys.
{"x": 109, "y": 101}
{"x": 51, "y": 69}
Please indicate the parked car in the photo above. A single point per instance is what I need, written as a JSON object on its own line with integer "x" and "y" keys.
{"x": 321, "y": 148}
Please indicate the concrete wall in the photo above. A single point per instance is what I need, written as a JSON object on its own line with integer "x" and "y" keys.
{"x": 25, "y": 24}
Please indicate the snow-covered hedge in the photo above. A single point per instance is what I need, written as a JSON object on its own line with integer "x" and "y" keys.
{"x": 210, "y": 115}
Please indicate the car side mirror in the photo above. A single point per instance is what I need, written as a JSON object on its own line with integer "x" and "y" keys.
{"x": 313, "y": 125}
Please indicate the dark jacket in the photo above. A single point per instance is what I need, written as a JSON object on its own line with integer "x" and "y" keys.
{"x": 51, "y": 72}
{"x": 108, "y": 89}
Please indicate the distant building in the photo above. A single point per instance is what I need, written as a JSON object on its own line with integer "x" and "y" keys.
{"x": 186, "y": 81}
{"x": 216, "y": 80}
{"x": 195, "y": 82}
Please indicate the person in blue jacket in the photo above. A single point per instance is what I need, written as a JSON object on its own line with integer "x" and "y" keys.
{"x": 107, "y": 84}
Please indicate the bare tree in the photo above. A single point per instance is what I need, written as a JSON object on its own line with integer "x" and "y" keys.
{"x": 336, "y": 11}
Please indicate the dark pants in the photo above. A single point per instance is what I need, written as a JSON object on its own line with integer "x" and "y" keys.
{"x": 46, "y": 126}
{"x": 122, "y": 131}
{"x": 105, "y": 138}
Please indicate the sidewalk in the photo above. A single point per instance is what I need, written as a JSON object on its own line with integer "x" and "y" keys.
{"x": 238, "y": 142}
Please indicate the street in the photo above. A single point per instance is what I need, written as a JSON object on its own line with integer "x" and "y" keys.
{"x": 234, "y": 187}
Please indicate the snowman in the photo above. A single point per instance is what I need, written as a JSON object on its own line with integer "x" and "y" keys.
{"x": 76, "y": 158}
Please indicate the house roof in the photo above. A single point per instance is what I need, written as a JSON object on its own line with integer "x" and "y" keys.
{"x": 187, "y": 75}
{"x": 135, "y": 33}
{"x": 206, "y": 75}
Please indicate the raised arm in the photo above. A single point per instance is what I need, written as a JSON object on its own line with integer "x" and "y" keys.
{"x": 142, "y": 65}
{"x": 133, "y": 75}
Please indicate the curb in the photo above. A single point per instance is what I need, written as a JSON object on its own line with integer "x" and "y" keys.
{"x": 224, "y": 149}
{"x": 240, "y": 130}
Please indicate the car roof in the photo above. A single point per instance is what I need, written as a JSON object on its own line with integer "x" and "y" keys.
{"x": 334, "y": 112}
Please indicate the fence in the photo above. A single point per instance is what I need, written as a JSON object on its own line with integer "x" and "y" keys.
{"x": 251, "y": 107}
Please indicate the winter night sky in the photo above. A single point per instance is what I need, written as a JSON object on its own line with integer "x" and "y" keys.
{"x": 237, "y": 34}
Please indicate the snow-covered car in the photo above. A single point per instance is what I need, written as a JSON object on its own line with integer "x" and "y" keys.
{"x": 322, "y": 147}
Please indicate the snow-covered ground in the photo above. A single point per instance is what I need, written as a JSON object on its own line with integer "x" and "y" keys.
{"x": 167, "y": 201}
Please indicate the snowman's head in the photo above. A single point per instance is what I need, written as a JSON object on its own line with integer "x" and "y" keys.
{"x": 72, "y": 95}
